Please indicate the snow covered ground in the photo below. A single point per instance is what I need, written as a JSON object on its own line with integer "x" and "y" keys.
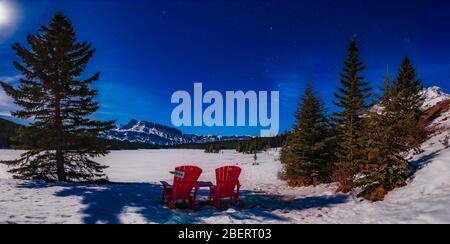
{"x": 266, "y": 199}
{"x": 136, "y": 197}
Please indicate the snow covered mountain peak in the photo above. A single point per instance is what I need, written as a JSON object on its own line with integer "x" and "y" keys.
{"x": 434, "y": 95}
{"x": 157, "y": 134}
{"x": 147, "y": 127}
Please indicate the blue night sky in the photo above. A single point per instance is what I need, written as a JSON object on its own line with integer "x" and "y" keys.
{"x": 146, "y": 50}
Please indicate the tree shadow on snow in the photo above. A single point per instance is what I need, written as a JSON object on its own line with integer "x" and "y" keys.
{"x": 261, "y": 200}
{"x": 422, "y": 162}
{"x": 260, "y": 206}
{"x": 425, "y": 160}
{"x": 105, "y": 203}
{"x": 109, "y": 202}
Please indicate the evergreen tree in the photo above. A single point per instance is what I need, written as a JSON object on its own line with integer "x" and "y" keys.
{"x": 349, "y": 121}
{"x": 239, "y": 147}
{"x": 389, "y": 140}
{"x": 61, "y": 140}
{"x": 407, "y": 96}
{"x": 386, "y": 96}
{"x": 306, "y": 154}
{"x": 212, "y": 148}
{"x": 407, "y": 100}
{"x": 208, "y": 148}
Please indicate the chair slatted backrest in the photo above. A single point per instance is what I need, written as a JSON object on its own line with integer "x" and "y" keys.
{"x": 227, "y": 180}
{"x": 184, "y": 181}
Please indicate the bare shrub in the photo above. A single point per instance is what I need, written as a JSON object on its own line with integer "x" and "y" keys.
{"x": 374, "y": 193}
{"x": 281, "y": 175}
{"x": 299, "y": 182}
{"x": 344, "y": 178}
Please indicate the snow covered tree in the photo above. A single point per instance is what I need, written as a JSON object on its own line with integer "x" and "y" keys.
{"x": 61, "y": 139}
{"x": 307, "y": 154}
{"x": 350, "y": 124}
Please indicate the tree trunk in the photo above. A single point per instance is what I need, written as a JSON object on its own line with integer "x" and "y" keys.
{"x": 60, "y": 165}
{"x": 60, "y": 170}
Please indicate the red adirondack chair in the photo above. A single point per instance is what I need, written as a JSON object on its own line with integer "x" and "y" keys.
{"x": 227, "y": 185}
{"x": 185, "y": 180}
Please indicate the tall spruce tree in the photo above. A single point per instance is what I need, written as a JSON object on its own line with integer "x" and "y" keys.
{"x": 306, "y": 155}
{"x": 62, "y": 139}
{"x": 350, "y": 124}
{"x": 407, "y": 96}
{"x": 407, "y": 99}
{"x": 389, "y": 140}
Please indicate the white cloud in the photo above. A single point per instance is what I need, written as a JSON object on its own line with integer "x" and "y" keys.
{"x": 5, "y": 114}
{"x": 6, "y": 103}
{"x": 10, "y": 79}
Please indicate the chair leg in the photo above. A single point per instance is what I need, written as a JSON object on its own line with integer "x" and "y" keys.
{"x": 217, "y": 200}
{"x": 163, "y": 198}
{"x": 192, "y": 201}
{"x": 171, "y": 204}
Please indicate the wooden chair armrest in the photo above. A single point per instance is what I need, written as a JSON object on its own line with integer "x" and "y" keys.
{"x": 165, "y": 184}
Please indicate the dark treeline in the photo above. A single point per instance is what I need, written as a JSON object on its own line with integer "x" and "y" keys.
{"x": 212, "y": 148}
{"x": 243, "y": 146}
{"x": 258, "y": 144}
{"x": 7, "y": 132}
{"x": 127, "y": 145}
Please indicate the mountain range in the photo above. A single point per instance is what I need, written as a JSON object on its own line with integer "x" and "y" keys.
{"x": 157, "y": 134}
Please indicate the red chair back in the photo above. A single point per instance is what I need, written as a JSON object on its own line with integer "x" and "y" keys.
{"x": 227, "y": 180}
{"x": 185, "y": 181}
